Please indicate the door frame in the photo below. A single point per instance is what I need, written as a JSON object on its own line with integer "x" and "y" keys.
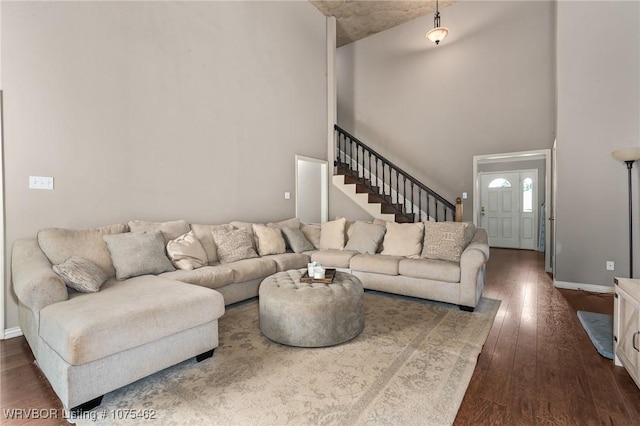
{"x": 538, "y": 154}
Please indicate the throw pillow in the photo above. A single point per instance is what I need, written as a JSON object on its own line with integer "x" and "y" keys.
{"x": 170, "y": 230}
{"x": 60, "y": 244}
{"x": 186, "y": 252}
{"x": 269, "y": 240}
{"x": 403, "y": 239}
{"x": 81, "y": 274}
{"x": 138, "y": 253}
{"x": 296, "y": 240}
{"x": 364, "y": 237}
{"x": 332, "y": 234}
{"x": 204, "y": 234}
{"x": 311, "y": 232}
{"x": 234, "y": 245}
{"x": 446, "y": 240}
{"x": 248, "y": 226}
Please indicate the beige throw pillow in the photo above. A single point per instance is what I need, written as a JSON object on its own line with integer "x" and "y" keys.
{"x": 364, "y": 237}
{"x": 311, "y": 232}
{"x": 186, "y": 252}
{"x": 403, "y": 239}
{"x": 269, "y": 240}
{"x": 289, "y": 223}
{"x": 234, "y": 245}
{"x": 138, "y": 253}
{"x": 332, "y": 234}
{"x": 81, "y": 275}
{"x": 446, "y": 240}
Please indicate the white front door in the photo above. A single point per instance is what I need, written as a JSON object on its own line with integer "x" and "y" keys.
{"x": 500, "y": 208}
{"x": 509, "y": 208}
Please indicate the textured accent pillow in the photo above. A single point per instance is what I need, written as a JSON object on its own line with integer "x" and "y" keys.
{"x": 248, "y": 226}
{"x": 186, "y": 252}
{"x": 204, "y": 234}
{"x": 81, "y": 274}
{"x": 332, "y": 234}
{"x": 269, "y": 240}
{"x": 446, "y": 240}
{"x": 60, "y": 244}
{"x": 364, "y": 237}
{"x": 170, "y": 230}
{"x": 311, "y": 232}
{"x": 234, "y": 245}
{"x": 296, "y": 240}
{"x": 403, "y": 239}
{"x": 138, "y": 253}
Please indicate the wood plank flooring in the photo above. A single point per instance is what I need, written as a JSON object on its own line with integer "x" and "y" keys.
{"x": 537, "y": 367}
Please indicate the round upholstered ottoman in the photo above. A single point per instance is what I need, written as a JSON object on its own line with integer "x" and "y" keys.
{"x": 311, "y": 314}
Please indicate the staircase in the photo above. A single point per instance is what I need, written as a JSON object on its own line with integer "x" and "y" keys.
{"x": 383, "y": 189}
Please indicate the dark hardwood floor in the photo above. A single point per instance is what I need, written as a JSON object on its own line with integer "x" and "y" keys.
{"x": 537, "y": 367}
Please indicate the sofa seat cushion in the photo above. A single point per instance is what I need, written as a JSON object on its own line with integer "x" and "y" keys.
{"x": 251, "y": 269}
{"x": 376, "y": 263}
{"x": 124, "y": 315}
{"x": 288, "y": 261}
{"x": 207, "y": 276}
{"x": 438, "y": 270}
{"x": 334, "y": 258}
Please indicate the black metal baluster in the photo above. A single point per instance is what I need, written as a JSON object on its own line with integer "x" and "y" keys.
{"x": 436, "y": 209}
{"x": 420, "y": 203}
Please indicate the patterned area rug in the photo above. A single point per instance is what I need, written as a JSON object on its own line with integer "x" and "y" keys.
{"x": 411, "y": 365}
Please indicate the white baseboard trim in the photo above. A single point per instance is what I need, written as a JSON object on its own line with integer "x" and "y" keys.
{"x": 10, "y": 333}
{"x": 594, "y": 288}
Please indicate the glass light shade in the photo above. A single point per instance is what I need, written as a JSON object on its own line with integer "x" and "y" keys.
{"x": 437, "y": 34}
{"x": 627, "y": 154}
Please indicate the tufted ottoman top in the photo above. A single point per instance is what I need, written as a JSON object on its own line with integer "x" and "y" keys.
{"x": 311, "y": 314}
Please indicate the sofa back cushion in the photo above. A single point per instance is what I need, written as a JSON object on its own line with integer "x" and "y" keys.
{"x": 403, "y": 239}
{"x": 446, "y": 240}
{"x": 60, "y": 244}
{"x": 170, "y": 230}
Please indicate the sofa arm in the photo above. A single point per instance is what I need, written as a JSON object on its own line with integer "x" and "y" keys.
{"x": 34, "y": 282}
{"x": 472, "y": 262}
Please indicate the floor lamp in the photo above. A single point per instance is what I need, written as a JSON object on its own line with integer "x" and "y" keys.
{"x": 629, "y": 156}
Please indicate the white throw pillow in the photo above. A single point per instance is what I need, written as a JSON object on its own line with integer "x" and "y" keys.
{"x": 186, "y": 252}
{"x": 332, "y": 234}
{"x": 403, "y": 239}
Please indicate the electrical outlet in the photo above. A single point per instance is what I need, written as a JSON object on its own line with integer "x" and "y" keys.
{"x": 610, "y": 265}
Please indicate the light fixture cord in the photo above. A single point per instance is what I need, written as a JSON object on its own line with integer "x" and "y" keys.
{"x": 436, "y": 18}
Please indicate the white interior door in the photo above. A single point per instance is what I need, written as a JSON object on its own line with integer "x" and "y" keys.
{"x": 500, "y": 207}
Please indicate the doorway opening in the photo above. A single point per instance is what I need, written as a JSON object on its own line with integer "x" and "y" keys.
{"x": 528, "y": 227}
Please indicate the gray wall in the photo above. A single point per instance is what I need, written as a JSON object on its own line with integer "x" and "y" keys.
{"x": 489, "y": 87}
{"x": 598, "y": 112}
{"x": 158, "y": 111}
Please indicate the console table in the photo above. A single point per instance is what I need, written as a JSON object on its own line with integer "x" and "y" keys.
{"x": 626, "y": 326}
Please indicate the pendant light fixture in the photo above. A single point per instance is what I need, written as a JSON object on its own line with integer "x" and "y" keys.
{"x": 437, "y": 33}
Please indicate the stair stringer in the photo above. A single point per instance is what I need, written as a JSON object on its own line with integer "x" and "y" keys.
{"x": 362, "y": 200}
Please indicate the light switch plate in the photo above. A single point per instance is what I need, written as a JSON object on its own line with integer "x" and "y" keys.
{"x": 41, "y": 182}
{"x": 287, "y": 195}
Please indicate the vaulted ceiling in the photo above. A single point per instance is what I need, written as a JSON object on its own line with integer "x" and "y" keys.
{"x": 356, "y": 19}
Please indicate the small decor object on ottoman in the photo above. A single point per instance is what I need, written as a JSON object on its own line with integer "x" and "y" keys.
{"x": 311, "y": 314}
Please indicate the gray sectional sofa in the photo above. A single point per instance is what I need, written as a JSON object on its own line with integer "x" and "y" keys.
{"x": 104, "y": 307}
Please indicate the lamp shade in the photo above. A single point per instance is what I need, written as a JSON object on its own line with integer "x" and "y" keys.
{"x": 627, "y": 154}
{"x": 437, "y": 34}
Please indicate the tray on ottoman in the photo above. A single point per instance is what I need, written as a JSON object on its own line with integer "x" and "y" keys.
{"x": 329, "y": 274}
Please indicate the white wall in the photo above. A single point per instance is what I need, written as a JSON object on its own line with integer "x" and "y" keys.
{"x": 487, "y": 88}
{"x": 158, "y": 111}
{"x": 598, "y": 112}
